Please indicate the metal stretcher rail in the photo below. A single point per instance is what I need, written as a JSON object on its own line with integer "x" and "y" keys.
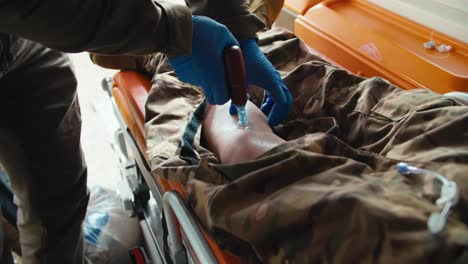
{"x": 171, "y": 204}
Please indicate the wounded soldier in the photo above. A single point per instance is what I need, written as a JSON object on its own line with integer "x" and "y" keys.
{"x": 323, "y": 186}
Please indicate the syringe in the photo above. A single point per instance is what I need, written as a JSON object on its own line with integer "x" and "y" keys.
{"x": 237, "y": 83}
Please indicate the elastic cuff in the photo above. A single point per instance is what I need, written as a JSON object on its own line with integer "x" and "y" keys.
{"x": 249, "y": 41}
{"x": 179, "y": 29}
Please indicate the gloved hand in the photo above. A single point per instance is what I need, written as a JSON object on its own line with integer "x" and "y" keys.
{"x": 260, "y": 72}
{"x": 205, "y": 67}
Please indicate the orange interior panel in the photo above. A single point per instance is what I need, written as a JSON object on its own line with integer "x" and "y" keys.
{"x": 370, "y": 41}
{"x": 300, "y": 6}
{"x": 130, "y": 92}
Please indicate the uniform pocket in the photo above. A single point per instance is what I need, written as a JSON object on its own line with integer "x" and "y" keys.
{"x": 398, "y": 105}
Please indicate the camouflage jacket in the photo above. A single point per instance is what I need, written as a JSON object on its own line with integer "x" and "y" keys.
{"x": 121, "y": 26}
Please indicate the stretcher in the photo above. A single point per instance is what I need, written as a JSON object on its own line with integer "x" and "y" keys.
{"x": 362, "y": 37}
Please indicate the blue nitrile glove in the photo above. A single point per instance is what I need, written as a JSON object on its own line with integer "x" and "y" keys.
{"x": 205, "y": 67}
{"x": 260, "y": 72}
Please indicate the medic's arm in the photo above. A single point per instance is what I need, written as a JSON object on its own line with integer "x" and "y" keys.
{"x": 100, "y": 26}
{"x": 234, "y": 14}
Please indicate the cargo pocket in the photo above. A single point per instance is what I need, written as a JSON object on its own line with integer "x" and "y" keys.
{"x": 397, "y": 106}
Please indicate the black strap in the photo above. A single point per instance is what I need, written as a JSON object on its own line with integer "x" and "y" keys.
{"x": 4, "y": 50}
{"x": 187, "y": 152}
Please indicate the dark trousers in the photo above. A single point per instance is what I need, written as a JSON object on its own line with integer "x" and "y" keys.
{"x": 40, "y": 126}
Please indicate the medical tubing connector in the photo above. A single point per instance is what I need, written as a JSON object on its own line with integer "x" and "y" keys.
{"x": 449, "y": 196}
{"x": 242, "y": 114}
{"x": 237, "y": 81}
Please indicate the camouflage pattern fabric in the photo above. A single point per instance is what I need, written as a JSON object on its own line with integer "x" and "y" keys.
{"x": 265, "y": 11}
{"x": 331, "y": 194}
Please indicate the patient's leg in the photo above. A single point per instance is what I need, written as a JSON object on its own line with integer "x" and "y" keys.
{"x": 232, "y": 144}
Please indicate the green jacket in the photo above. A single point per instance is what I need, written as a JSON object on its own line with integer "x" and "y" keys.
{"x": 120, "y": 26}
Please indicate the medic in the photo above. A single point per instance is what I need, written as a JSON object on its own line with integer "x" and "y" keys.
{"x": 39, "y": 111}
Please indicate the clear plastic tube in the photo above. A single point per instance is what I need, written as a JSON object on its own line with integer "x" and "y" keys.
{"x": 242, "y": 114}
{"x": 449, "y": 195}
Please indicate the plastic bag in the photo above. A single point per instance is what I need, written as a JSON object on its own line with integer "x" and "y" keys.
{"x": 108, "y": 229}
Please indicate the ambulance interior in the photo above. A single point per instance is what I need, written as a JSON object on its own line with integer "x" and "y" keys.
{"x": 410, "y": 43}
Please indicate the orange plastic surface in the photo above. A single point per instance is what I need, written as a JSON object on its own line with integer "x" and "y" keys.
{"x": 129, "y": 118}
{"x": 136, "y": 86}
{"x": 300, "y": 6}
{"x": 130, "y": 92}
{"x": 370, "y": 41}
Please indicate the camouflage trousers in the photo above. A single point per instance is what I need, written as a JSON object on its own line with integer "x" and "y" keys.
{"x": 40, "y": 151}
{"x": 331, "y": 193}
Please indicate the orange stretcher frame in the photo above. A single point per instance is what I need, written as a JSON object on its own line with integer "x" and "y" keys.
{"x": 359, "y": 36}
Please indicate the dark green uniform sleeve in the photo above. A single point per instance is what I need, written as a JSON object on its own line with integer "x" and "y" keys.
{"x": 101, "y": 26}
{"x": 234, "y": 14}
